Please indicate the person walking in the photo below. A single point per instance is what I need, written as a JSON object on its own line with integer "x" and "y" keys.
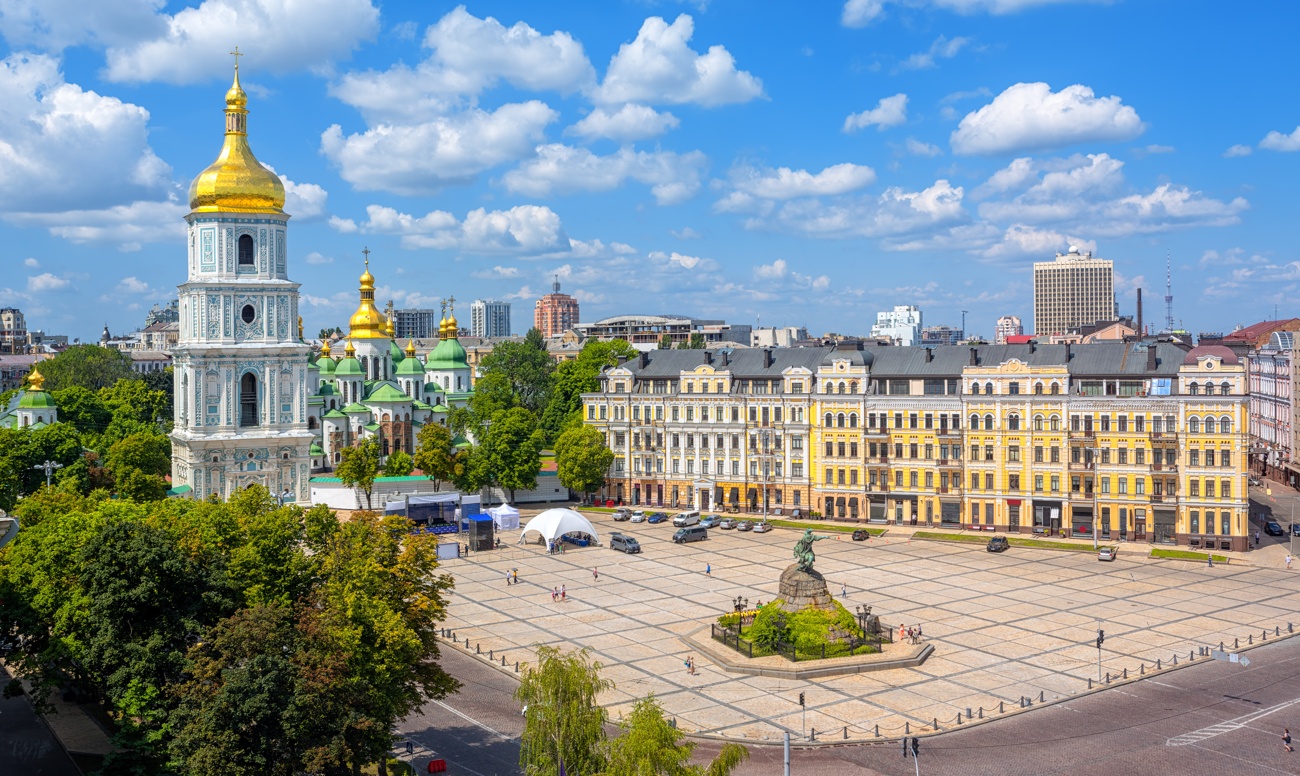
{"x": 844, "y": 590}
{"x": 691, "y": 662}
{"x": 1286, "y": 739}
{"x": 1288, "y": 561}
{"x": 507, "y": 577}
{"x": 555, "y": 595}
{"x": 564, "y": 592}
{"x": 595, "y": 574}
{"x": 708, "y": 570}
{"x": 1256, "y": 537}
{"x": 1209, "y": 561}
{"x": 515, "y": 573}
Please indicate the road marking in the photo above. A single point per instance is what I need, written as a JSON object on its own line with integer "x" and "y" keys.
{"x": 1228, "y": 726}
{"x": 1162, "y": 684}
{"x": 473, "y": 721}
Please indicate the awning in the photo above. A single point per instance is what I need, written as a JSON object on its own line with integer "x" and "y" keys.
{"x": 179, "y": 490}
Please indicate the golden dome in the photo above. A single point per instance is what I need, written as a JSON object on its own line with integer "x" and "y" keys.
{"x": 236, "y": 180}
{"x": 410, "y": 348}
{"x": 453, "y": 328}
{"x": 367, "y": 322}
{"x": 388, "y": 328}
{"x": 35, "y": 380}
{"x": 348, "y": 350}
{"x": 325, "y": 348}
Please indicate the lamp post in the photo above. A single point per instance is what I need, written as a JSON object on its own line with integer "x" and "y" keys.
{"x": 49, "y": 467}
{"x": 741, "y": 604}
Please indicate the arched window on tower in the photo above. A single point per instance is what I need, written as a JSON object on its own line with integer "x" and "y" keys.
{"x": 245, "y": 250}
{"x": 248, "y": 415}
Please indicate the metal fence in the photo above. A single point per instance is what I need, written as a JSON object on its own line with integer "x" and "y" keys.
{"x": 732, "y": 637}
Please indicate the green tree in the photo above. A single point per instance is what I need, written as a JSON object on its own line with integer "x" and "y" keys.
{"x": 83, "y": 409}
{"x": 650, "y": 746}
{"x": 564, "y": 726}
{"x": 582, "y": 459}
{"x": 697, "y": 341}
{"x": 139, "y": 485}
{"x": 512, "y": 450}
{"x": 89, "y": 366}
{"x": 494, "y": 393}
{"x": 666, "y": 341}
{"x": 578, "y": 376}
{"x": 399, "y": 464}
{"x": 149, "y": 452}
{"x": 359, "y": 467}
{"x": 471, "y": 472}
{"x": 435, "y": 453}
{"x": 528, "y": 367}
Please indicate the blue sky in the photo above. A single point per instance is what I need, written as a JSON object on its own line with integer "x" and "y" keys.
{"x": 809, "y": 163}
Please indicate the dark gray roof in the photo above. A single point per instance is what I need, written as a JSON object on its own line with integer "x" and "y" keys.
{"x": 1098, "y": 358}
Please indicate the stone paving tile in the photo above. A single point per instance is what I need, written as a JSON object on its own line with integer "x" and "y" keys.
{"x": 1004, "y": 626}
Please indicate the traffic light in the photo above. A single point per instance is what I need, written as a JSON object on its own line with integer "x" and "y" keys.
{"x": 800, "y": 699}
{"x": 1101, "y": 636}
{"x": 904, "y": 748}
{"x": 916, "y": 746}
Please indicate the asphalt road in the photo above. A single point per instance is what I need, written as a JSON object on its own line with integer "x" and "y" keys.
{"x": 1211, "y": 718}
{"x": 27, "y": 746}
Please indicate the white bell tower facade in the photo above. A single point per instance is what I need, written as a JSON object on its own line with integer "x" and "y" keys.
{"x": 240, "y": 363}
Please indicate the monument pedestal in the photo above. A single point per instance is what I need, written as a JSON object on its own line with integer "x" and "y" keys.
{"x": 801, "y": 589}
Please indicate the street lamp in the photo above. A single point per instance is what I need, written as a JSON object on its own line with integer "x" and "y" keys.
{"x": 741, "y": 604}
{"x": 864, "y": 616}
{"x": 49, "y": 467}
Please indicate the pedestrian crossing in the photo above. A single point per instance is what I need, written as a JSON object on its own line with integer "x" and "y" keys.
{"x": 1197, "y": 736}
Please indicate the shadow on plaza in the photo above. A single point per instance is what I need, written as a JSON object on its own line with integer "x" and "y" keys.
{"x": 469, "y": 746}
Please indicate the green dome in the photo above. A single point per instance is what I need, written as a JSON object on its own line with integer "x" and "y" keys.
{"x": 449, "y": 354}
{"x": 410, "y": 366}
{"x": 326, "y": 366}
{"x": 315, "y": 449}
{"x": 348, "y": 367}
{"x": 395, "y": 352}
{"x": 37, "y": 400}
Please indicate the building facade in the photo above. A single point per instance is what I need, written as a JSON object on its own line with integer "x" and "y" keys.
{"x": 902, "y": 325}
{"x": 646, "y": 331}
{"x": 1008, "y": 326}
{"x": 940, "y": 335}
{"x": 1272, "y": 410}
{"x": 13, "y": 331}
{"x": 555, "y": 313}
{"x": 417, "y": 323}
{"x": 1073, "y": 291}
{"x": 777, "y": 336}
{"x": 489, "y": 318}
{"x": 1131, "y": 441}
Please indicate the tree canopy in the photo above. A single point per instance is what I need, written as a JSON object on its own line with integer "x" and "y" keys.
{"x": 511, "y": 450}
{"x": 526, "y": 365}
{"x": 359, "y": 466}
{"x": 582, "y": 459}
{"x": 436, "y": 454}
{"x": 89, "y": 366}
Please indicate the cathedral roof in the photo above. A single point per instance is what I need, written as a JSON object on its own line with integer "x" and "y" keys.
{"x": 34, "y": 397}
{"x": 367, "y": 322}
{"x": 236, "y": 181}
{"x": 326, "y": 365}
{"x": 348, "y": 367}
{"x": 448, "y": 354}
{"x": 335, "y": 414}
{"x": 315, "y": 449}
{"x": 355, "y": 408}
{"x": 410, "y": 366}
{"x": 387, "y": 394}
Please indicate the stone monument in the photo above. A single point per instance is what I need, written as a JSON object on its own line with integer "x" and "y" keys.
{"x": 801, "y": 585}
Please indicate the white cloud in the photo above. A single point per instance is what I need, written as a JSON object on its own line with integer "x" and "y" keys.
{"x": 1021, "y": 241}
{"x": 497, "y": 273}
{"x": 467, "y": 56}
{"x": 659, "y": 67}
{"x": 1237, "y": 150}
{"x": 62, "y": 147}
{"x": 685, "y": 233}
{"x": 317, "y": 258}
{"x": 675, "y": 260}
{"x": 784, "y": 183}
{"x": 774, "y": 271}
{"x": 53, "y": 25}
{"x": 1156, "y": 148}
{"x": 303, "y": 201}
{"x": 628, "y": 124}
{"x": 133, "y": 285}
{"x": 420, "y": 159}
{"x": 559, "y": 168}
{"x": 889, "y": 112}
{"x": 942, "y": 48}
{"x": 127, "y": 226}
{"x": 917, "y": 148}
{"x": 1276, "y": 141}
{"x": 342, "y": 225}
{"x": 1030, "y": 116}
{"x": 46, "y": 281}
{"x": 521, "y": 229}
{"x": 281, "y": 36}
{"x": 860, "y": 13}
{"x": 894, "y": 213}
{"x": 31, "y": 263}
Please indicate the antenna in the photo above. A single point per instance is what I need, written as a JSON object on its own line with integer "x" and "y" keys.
{"x": 963, "y": 323}
{"x": 556, "y": 284}
{"x": 1169, "y": 294}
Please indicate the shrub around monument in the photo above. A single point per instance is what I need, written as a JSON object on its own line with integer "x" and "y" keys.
{"x": 803, "y": 635}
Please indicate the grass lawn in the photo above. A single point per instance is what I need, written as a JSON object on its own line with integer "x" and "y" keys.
{"x": 828, "y": 527}
{"x": 1016, "y": 541}
{"x": 1184, "y": 555}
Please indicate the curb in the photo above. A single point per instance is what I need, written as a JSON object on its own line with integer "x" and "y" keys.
{"x": 736, "y": 665}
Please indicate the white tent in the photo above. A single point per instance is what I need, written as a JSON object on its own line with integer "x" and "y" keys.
{"x": 505, "y": 517}
{"x": 554, "y": 523}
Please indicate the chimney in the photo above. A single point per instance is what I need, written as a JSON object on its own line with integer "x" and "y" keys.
{"x": 929, "y": 355}
{"x": 708, "y": 357}
{"x": 621, "y": 360}
{"x": 726, "y": 358}
{"x": 1033, "y": 346}
{"x": 643, "y": 360}
{"x": 767, "y": 358}
{"x": 1067, "y": 353}
{"x": 1151, "y": 358}
{"x": 1140, "y": 331}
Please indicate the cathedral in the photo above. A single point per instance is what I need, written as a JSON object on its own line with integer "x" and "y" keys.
{"x": 254, "y": 404}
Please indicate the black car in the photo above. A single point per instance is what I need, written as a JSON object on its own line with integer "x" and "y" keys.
{"x": 860, "y": 535}
{"x": 1273, "y": 529}
{"x": 998, "y": 544}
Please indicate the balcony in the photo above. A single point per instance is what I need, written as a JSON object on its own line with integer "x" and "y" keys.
{"x": 1080, "y": 466}
{"x": 1157, "y": 498}
{"x": 1164, "y": 436}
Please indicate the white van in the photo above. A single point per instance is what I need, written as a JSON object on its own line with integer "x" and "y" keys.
{"x": 686, "y": 518}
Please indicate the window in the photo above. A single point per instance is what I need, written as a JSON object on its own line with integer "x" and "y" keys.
{"x": 988, "y": 452}
{"x": 1194, "y": 488}
{"x": 245, "y": 250}
{"x": 988, "y": 422}
{"x": 1225, "y": 522}
{"x": 1105, "y": 484}
{"x": 1013, "y": 482}
{"x": 1013, "y": 453}
{"x": 974, "y": 480}
{"x": 1038, "y": 422}
{"x": 1038, "y": 453}
{"x": 988, "y": 481}
{"x": 1056, "y": 423}
{"x": 1123, "y": 455}
{"x": 929, "y": 480}
{"x": 1140, "y": 456}
{"x": 248, "y": 314}
{"x": 1193, "y": 457}
{"x": 1225, "y": 459}
{"x": 1056, "y": 455}
{"x": 1195, "y": 521}
{"x": 1123, "y": 485}
{"x": 912, "y": 479}
{"x": 1015, "y": 388}
{"x": 1038, "y": 482}
{"x": 1141, "y": 486}
{"x": 248, "y": 414}
{"x": 1013, "y": 422}
{"x": 1038, "y": 389}
{"x": 1225, "y": 426}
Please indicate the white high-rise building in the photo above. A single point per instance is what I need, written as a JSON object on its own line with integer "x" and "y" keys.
{"x": 902, "y": 325}
{"x": 1008, "y": 326}
{"x": 1074, "y": 290}
{"x": 489, "y": 318}
{"x": 240, "y": 363}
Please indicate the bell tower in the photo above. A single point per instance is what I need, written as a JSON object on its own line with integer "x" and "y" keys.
{"x": 240, "y": 363}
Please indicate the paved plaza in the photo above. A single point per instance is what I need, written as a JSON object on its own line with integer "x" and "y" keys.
{"x": 1007, "y": 625}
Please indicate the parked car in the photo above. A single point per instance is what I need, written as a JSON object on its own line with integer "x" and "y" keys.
{"x": 685, "y": 519}
{"x": 1272, "y": 528}
{"x": 638, "y": 516}
{"x": 624, "y": 543}
{"x": 727, "y": 523}
{"x": 998, "y": 544}
{"x": 744, "y": 525}
{"x": 693, "y": 533}
{"x": 710, "y": 521}
{"x": 1295, "y": 529}
{"x": 1254, "y": 481}
{"x": 1107, "y": 553}
{"x": 657, "y": 517}
{"x": 762, "y": 527}
{"x": 861, "y": 535}
{"x": 621, "y": 514}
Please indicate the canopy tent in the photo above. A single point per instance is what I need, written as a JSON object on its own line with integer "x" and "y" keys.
{"x": 505, "y": 517}
{"x": 554, "y": 523}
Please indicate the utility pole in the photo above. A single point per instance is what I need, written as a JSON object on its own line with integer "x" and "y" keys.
{"x": 1101, "y": 636}
{"x": 49, "y": 467}
{"x": 963, "y": 325}
{"x": 787, "y": 753}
